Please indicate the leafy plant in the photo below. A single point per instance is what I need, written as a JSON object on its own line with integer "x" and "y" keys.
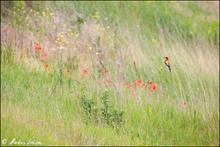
{"x": 108, "y": 115}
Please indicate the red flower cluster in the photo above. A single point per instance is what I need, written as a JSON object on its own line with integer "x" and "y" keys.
{"x": 38, "y": 47}
{"x": 138, "y": 82}
{"x": 152, "y": 87}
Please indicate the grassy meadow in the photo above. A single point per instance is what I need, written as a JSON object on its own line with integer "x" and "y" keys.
{"x": 93, "y": 73}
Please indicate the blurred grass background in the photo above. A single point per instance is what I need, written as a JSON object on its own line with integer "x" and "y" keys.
{"x": 50, "y": 105}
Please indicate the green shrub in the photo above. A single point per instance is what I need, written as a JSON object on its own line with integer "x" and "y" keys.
{"x": 108, "y": 115}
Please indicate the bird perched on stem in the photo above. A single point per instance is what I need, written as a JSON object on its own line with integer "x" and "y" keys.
{"x": 167, "y": 63}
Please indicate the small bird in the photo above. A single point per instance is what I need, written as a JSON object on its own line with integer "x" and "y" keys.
{"x": 167, "y": 62}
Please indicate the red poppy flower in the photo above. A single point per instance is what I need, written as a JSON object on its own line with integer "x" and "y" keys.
{"x": 155, "y": 87}
{"x": 184, "y": 103}
{"x": 139, "y": 80}
{"x": 150, "y": 82}
{"x": 85, "y": 71}
{"x": 46, "y": 65}
{"x": 36, "y": 46}
{"x": 44, "y": 55}
{"x": 124, "y": 84}
{"x": 150, "y": 87}
{"x": 143, "y": 84}
{"x": 68, "y": 71}
{"x": 40, "y": 48}
{"x": 135, "y": 83}
{"x": 105, "y": 71}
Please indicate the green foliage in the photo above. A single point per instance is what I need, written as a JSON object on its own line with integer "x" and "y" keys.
{"x": 45, "y": 98}
{"x": 89, "y": 109}
{"x": 38, "y": 6}
{"x": 151, "y": 14}
{"x": 7, "y": 55}
{"x": 77, "y": 22}
{"x": 108, "y": 115}
{"x": 210, "y": 29}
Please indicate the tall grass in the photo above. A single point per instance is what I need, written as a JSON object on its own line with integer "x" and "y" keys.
{"x": 103, "y": 47}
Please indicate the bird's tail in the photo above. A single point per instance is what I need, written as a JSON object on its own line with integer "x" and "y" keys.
{"x": 169, "y": 69}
